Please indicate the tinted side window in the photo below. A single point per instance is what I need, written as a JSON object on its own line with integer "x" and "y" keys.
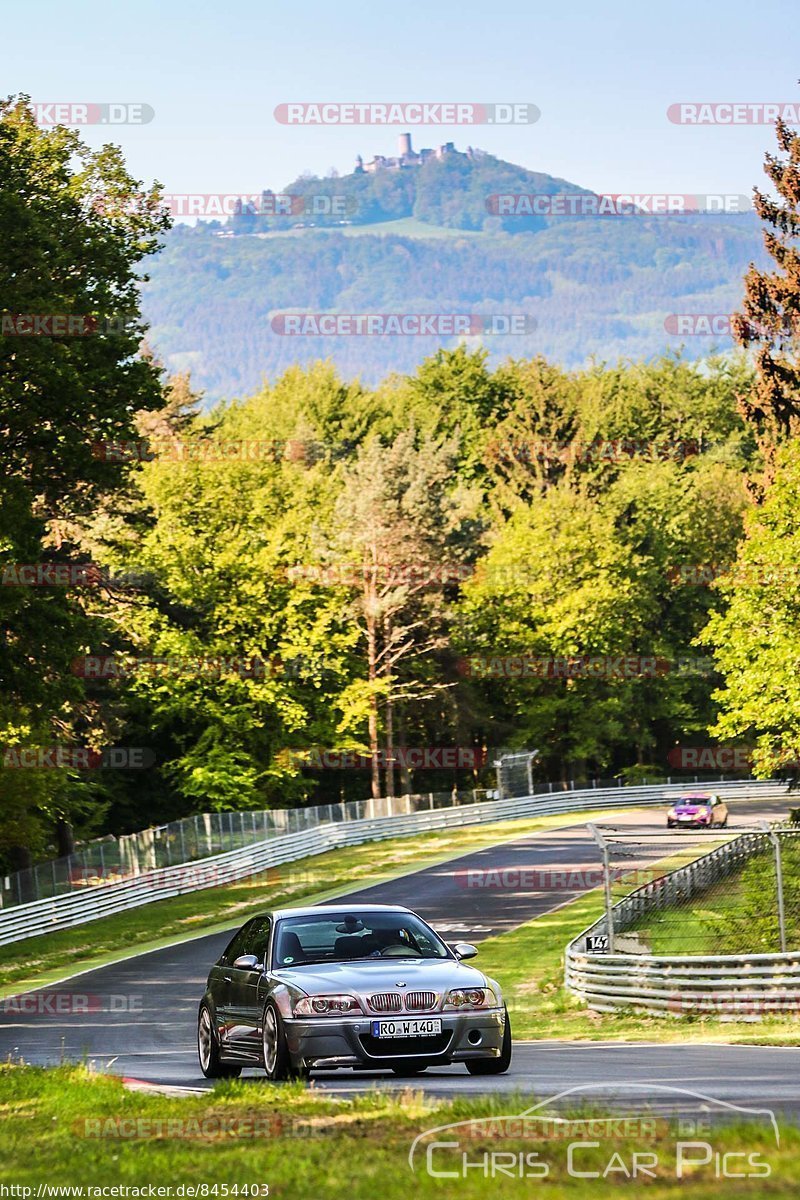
{"x": 238, "y": 944}
{"x": 258, "y": 937}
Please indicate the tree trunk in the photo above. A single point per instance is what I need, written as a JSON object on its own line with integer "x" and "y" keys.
{"x": 405, "y": 774}
{"x": 372, "y": 656}
{"x": 389, "y": 746}
{"x": 65, "y": 838}
{"x": 19, "y": 858}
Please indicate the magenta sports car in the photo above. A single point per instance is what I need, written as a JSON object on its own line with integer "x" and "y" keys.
{"x": 700, "y": 810}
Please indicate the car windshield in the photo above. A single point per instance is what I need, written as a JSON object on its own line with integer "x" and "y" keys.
{"x": 343, "y": 937}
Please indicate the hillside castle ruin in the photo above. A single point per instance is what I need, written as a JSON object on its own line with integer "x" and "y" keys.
{"x": 407, "y": 156}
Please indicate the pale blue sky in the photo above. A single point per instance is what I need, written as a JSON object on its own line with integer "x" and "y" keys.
{"x": 602, "y": 74}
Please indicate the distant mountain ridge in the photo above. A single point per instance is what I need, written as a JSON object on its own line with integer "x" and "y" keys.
{"x": 423, "y": 239}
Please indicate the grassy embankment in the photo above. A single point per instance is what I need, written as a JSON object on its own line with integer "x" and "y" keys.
{"x": 63, "y": 1127}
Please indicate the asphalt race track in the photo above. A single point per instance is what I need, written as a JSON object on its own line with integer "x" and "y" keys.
{"x": 137, "y": 1018}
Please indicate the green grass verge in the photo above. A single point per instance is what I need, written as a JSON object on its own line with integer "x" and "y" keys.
{"x": 697, "y": 928}
{"x": 48, "y": 957}
{"x": 61, "y": 1127}
{"x": 735, "y": 915}
{"x": 529, "y": 964}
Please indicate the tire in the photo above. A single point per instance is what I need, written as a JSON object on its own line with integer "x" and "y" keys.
{"x": 274, "y": 1050}
{"x": 494, "y": 1066}
{"x": 208, "y": 1049}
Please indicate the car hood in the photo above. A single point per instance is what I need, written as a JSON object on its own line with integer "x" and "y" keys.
{"x": 382, "y": 975}
{"x": 691, "y": 809}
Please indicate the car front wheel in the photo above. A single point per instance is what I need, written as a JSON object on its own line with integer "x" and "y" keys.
{"x": 494, "y": 1066}
{"x": 277, "y": 1059}
{"x": 208, "y": 1049}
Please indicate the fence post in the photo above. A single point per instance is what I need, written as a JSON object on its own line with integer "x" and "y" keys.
{"x": 603, "y": 844}
{"x": 776, "y": 844}
{"x": 529, "y": 765}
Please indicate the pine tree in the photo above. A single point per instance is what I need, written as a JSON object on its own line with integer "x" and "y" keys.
{"x": 770, "y": 320}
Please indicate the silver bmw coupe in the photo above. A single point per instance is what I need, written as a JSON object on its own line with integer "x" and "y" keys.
{"x": 366, "y": 986}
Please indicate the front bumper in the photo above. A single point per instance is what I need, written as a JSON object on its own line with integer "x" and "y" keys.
{"x": 347, "y": 1041}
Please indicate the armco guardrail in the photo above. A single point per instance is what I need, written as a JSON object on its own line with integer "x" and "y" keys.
{"x": 739, "y": 984}
{"x": 204, "y": 835}
{"x": 735, "y": 984}
{"x": 61, "y": 912}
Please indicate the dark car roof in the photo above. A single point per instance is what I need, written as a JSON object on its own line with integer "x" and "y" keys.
{"x": 320, "y": 909}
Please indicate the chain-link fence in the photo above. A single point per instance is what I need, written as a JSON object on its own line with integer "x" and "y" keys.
{"x": 515, "y": 774}
{"x": 110, "y": 859}
{"x": 726, "y": 893}
{"x": 519, "y": 774}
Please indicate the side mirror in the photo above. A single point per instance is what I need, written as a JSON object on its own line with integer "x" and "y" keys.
{"x": 247, "y": 962}
{"x": 463, "y": 950}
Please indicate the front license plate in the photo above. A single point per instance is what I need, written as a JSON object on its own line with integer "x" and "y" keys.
{"x": 410, "y": 1027}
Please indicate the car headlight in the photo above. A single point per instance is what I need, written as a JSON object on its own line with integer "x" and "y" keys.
{"x": 326, "y": 1006}
{"x": 705, "y": 812}
{"x": 470, "y": 998}
{"x": 671, "y": 813}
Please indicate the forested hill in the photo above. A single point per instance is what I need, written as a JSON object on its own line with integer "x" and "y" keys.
{"x": 453, "y": 192}
{"x": 422, "y": 240}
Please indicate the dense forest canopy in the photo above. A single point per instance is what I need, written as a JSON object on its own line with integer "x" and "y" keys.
{"x": 329, "y": 587}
